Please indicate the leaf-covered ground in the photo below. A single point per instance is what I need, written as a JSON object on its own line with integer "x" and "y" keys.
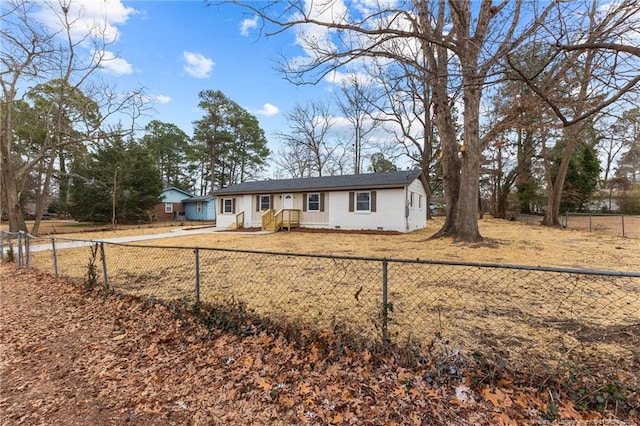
{"x": 70, "y": 356}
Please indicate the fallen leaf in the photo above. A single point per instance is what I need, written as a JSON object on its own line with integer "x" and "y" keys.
{"x": 492, "y": 397}
{"x": 286, "y": 400}
{"x": 400, "y": 391}
{"x": 265, "y": 385}
{"x": 567, "y": 410}
{"x": 304, "y": 388}
{"x": 503, "y": 419}
{"x": 248, "y": 362}
{"x": 337, "y": 419}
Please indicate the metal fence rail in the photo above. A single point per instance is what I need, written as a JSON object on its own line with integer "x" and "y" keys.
{"x": 526, "y": 315}
{"x": 621, "y": 225}
{"x": 615, "y": 224}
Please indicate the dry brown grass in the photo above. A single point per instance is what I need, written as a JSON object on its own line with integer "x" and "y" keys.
{"x": 522, "y": 315}
{"x": 609, "y": 224}
{"x": 515, "y": 243}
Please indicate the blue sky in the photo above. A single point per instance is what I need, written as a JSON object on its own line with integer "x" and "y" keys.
{"x": 175, "y": 49}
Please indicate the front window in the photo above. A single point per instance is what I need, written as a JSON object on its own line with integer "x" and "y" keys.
{"x": 199, "y": 208}
{"x": 227, "y": 205}
{"x": 168, "y": 207}
{"x": 313, "y": 202}
{"x": 265, "y": 202}
{"x": 363, "y": 201}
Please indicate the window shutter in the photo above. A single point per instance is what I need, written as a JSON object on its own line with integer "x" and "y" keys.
{"x": 322, "y": 201}
{"x": 271, "y": 202}
{"x": 257, "y": 203}
{"x": 373, "y": 201}
{"x": 304, "y": 202}
{"x": 233, "y": 205}
{"x": 221, "y": 202}
{"x": 351, "y": 201}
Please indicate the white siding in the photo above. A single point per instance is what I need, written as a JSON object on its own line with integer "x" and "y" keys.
{"x": 389, "y": 214}
{"x": 393, "y": 212}
{"x": 418, "y": 212}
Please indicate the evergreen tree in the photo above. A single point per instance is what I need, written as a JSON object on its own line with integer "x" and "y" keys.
{"x": 119, "y": 182}
{"x": 230, "y": 138}
{"x": 170, "y": 148}
{"x": 581, "y": 180}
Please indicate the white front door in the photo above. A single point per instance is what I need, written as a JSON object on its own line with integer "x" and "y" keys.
{"x": 287, "y": 201}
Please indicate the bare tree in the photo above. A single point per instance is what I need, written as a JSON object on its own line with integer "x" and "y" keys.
{"x": 307, "y": 143}
{"x": 35, "y": 53}
{"x": 26, "y": 49}
{"x": 355, "y": 101}
{"x": 405, "y": 109}
{"x": 591, "y": 66}
{"x": 461, "y": 42}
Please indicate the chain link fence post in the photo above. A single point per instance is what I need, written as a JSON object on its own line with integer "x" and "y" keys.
{"x": 104, "y": 265}
{"x": 385, "y": 304}
{"x": 1, "y": 245}
{"x": 55, "y": 257}
{"x": 197, "y": 290}
{"x": 20, "y": 249}
{"x": 27, "y": 239}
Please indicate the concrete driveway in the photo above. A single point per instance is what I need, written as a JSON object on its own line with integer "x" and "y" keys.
{"x": 128, "y": 239}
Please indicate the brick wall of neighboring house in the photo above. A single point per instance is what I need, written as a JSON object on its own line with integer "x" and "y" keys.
{"x": 162, "y": 215}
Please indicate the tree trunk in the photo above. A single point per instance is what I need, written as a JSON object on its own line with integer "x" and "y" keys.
{"x": 450, "y": 160}
{"x": 524, "y": 178}
{"x": 212, "y": 165}
{"x": 466, "y": 219}
{"x": 43, "y": 196}
{"x": 114, "y": 192}
{"x": 10, "y": 193}
{"x": 554, "y": 191}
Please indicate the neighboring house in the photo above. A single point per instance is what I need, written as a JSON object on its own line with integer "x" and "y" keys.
{"x": 200, "y": 208}
{"x": 172, "y": 207}
{"x": 395, "y": 201}
{"x": 181, "y": 205}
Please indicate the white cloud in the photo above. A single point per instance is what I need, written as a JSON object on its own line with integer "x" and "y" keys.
{"x": 162, "y": 99}
{"x": 340, "y": 78}
{"x": 112, "y": 64}
{"x": 197, "y": 65}
{"x": 268, "y": 110}
{"x": 98, "y": 18}
{"x": 248, "y": 24}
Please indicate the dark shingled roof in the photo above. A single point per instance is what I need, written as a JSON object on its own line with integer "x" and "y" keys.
{"x": 325, "y": 183}
{"x": 198, "y": 199}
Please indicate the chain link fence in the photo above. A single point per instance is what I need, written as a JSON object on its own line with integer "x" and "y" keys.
{"x": 620, "y": 225}
{"x": 527, "y": 316}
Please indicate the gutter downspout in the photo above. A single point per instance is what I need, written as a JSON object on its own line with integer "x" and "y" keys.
{"x": 406, "y": 208}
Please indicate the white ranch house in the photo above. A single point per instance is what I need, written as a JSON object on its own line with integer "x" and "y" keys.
{"x": 392, "y": 201}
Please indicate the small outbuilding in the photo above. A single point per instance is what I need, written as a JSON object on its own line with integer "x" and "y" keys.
{"x": 391, "y": 201}
{"x": 200, "y": 208}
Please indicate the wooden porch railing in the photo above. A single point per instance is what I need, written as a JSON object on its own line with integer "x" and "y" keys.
{"x": 284, "y": 218}
{"x": 240, "y": 220}
{"x": 267, "y": 218}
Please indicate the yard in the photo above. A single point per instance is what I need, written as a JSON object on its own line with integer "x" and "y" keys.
{"x": 541, "y": 323}
{"x": 525, "y": 314}
{"x": 510, "y": 243}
